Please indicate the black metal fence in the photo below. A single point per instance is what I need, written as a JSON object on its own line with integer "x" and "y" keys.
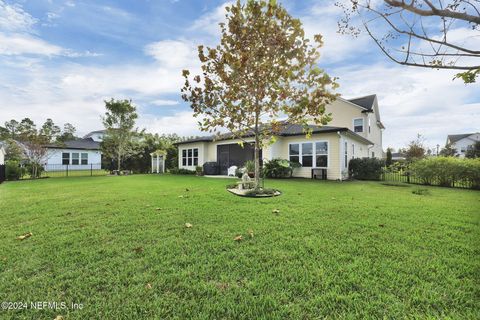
{"x": 60, "y": 170}
{"x": 407, "y": 177}
{"x": 2, "y": 173}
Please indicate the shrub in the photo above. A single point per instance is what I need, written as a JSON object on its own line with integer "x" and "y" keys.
{"x": 365, "y": 168}
{"x": 199, "y": 171}
{"x": 448, "y": 171}
{"x": 421, "y": 192}
{"x": 278, "y": 168}
{"x": 182, "y": 171}
{"x": 249, "y": 166}
{"x": 13, "y": 170}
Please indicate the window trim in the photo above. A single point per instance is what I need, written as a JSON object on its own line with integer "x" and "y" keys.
{"x": 314, "y": 153}
{"x": 78, "y": 159}
{"x": 81, "y": 158}
{"x": 363, "y": 125}
{"x": 189, "y": 154}
{"x": 69, "y": 157}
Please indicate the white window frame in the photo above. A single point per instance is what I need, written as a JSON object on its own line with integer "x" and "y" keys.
{"x": 192, "y": 157}
{"x": 78, "y": 159}
{"x": 81, "y": 158}
{"x": 69, "y": 158}
{"x": 363, "y": 125}
{"x": 314, "y": 153}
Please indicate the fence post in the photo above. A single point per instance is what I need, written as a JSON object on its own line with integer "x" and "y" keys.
{"x": 67, "y": 170}
{"x": 408, "y": 177}
{"x": 91, "y": 169}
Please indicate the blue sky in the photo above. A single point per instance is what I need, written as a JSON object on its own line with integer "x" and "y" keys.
{"x": 60, "y": 59}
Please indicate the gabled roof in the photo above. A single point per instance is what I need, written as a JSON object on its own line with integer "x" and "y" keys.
{"x": 456, "y": 137}
{"x": 80, "y": 144}
{"x": 287, "y": 129}
{"x": 365, "y": 102}
{"x": 93, "y": 132}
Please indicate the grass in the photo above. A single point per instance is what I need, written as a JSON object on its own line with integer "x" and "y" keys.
{"x": 119, "y": 246}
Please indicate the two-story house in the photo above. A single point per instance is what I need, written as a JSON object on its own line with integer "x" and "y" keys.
{"x": 354, "y": 132}
{"x": 462, "y": 142}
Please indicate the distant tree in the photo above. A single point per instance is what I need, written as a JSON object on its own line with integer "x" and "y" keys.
{"x": 448, "y": 151}
{"x": 389, "y": 161}
{"x": 419, "y": 33}
{"x": 263, "y": 67}
{"x": 68, "y": 133}
{"x": 49, "y": 131}
{"x": 13, "y": 150}
{"x": 120, "y": 142}
{"x": 27, "y": 130}
{"x": 474, "y": 151}
{"x": 416, "y": 149}
{"x": 10, "y": 131}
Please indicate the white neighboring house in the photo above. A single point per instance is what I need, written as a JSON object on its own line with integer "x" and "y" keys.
{"x": 462, "y": 142}
{"x": 80, "y": 154}
{"x": 2, "y": 154}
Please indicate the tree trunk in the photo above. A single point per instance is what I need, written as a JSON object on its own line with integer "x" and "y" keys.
{"x": 257, "y": 162}
{"x": 118, "y": 163}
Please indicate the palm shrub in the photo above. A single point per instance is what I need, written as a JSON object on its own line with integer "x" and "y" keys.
{"x": 279, "y": 168}
{"x": 366, "y": 168}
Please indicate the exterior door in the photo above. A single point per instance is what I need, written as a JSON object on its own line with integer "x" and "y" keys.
{"x": 223, "y": 158}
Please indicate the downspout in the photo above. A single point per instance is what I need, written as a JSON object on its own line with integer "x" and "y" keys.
{"x": 340, "y": 154}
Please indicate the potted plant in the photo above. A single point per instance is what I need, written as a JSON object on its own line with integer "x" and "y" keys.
{"x": 250, "y": 168}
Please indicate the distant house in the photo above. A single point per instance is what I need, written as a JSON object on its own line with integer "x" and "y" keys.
{"x": 398, "y": 156}
{"x": 2, "y": 154}
{"x": 462, "y": 142}
{"x": 355, "y": 132}
{"x": 80, "y": 154}
{"x": 96, "y": 135}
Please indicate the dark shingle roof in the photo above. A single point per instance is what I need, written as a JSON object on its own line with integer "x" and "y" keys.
{"x": 365, "y": 102}
{"x": 81, "y": 144}
{"x": 286, "y": 130}
{"x": 455, "y": 137}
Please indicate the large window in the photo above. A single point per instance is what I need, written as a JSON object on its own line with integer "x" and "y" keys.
{"x": 358, "y": 125}
{"x": 309, "y": 154}
{"x": 75, "y": 158}
{"x": 65, "y": 158}
{"x": 190, "y": 157}
{"x": 84, "y": 158}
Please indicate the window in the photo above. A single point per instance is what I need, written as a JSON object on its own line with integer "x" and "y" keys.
{"x": 294, "y": 152}
{"x": 369, "y": 129}
{"x": 84, "y": 158}
{"x": 309, "y": 154}
{"x": 65, "y": 158}
{"x": 373, "y": 154}
{"x": 75, "y": 158}
{"x": 321, "y": 152}
{"x": 358, "y": 125}
{"x": 190, "y": 157}
{"x": 346, "y": 154}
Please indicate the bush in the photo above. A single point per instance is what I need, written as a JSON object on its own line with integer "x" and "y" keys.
{"x": 182, "y": 171}
{"x": 365, "y": 168}
{"x": 448, "y": 171}
{"x": 13, "y": 170}
{"x": 278, "y": 168}
{"x": 199, "y": 171}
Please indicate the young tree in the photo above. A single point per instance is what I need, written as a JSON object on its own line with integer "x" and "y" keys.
{"x": 448, "y": 151}
{"x": 389, "y": 161}
{"x": 420, "y": 33}
{"x": 119, "y": 120}
{"x": 416, "y": 149}
{"x": 264, "y": 67}
{"x": 474, "y": 151}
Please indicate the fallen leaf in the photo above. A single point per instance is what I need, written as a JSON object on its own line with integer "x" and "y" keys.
{"x": 158, "y": 209}
{"x": 238, "y": 238}
{"x": 59, "y": 317}
{"x": 138, "y": 249}
{"x": 250, "y": 233}
{"x": 276, "y": 211}
{"x": 180, "y": 196}
{"x": 188, "y": 225}
{"x": 25, "y": 236}
{"x": 148, "y": 286}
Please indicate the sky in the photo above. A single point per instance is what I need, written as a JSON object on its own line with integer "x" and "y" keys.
{"x": 61, "y": 59}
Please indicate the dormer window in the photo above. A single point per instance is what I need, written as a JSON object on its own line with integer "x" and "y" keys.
{"x": 358, "y": 125}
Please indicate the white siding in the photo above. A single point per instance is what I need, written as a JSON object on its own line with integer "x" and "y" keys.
{"x": 54, "y": 159}
{"x": 462, "y": 145}
{"x": 2, "y": 156}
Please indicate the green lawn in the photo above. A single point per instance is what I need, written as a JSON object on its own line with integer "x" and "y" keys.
{"x": 351, "y": 250}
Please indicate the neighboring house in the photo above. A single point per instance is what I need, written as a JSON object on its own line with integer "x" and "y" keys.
{"x": 2, "y": 154}
{"x": 80, "y": 154}
{"x": 462, "y": 142}
{"x": 354, "y": 132}
{"x": 398, "y": 156}
{"x": 96, "y": 135}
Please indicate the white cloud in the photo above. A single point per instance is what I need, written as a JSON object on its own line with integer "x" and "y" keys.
{"x": 182, "y": 123}
{"x": 172, "y": 53}
{"x": 161, "y": 102}
{"x": 208, "y": 23}
{"x": 18, "y": 44}
{"x": 14, "y": 19}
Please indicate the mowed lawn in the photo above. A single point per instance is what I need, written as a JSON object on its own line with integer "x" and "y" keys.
{"x": 351, "y": 250}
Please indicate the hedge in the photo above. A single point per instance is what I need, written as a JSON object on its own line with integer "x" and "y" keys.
{"x": 365, "y": 168}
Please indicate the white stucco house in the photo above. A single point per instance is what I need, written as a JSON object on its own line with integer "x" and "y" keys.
{"x": 2, "y": 154}
{"x": 80, "y": 154}
{"x": 462, "y": 142}
{"x": 355, "y": 132}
